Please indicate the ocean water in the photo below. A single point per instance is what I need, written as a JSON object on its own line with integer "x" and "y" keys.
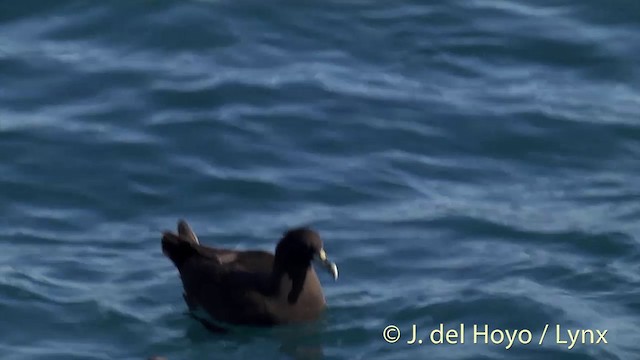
{"x": 470, "y": 162}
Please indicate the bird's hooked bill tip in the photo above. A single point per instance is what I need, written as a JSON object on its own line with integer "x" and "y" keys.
{"x": 334, "y": 271}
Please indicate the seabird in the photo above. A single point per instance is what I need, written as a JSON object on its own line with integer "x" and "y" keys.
{"x": 251, "y": 287}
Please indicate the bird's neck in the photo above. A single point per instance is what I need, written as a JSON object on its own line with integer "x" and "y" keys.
{"x": 293, "y": 279}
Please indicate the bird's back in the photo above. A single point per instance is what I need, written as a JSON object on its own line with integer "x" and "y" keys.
{"x": 232, "y": 286}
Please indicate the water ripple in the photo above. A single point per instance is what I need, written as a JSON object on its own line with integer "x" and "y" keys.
{"x": 465, "y": 162}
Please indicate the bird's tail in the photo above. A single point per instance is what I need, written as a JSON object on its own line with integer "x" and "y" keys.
{"x": 185, "y": 231}
{"x": 181, "y": 246}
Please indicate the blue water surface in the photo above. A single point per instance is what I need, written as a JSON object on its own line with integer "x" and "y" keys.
{"x": 466, "y": 162}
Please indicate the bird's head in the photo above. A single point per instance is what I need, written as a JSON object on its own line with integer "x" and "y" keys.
{"x": 300, "y": 246}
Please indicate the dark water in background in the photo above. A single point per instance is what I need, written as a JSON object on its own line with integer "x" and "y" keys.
{"x": 471, "y": 162}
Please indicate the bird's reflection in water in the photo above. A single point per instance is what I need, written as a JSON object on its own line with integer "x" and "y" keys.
{"x": 297, "y": 342}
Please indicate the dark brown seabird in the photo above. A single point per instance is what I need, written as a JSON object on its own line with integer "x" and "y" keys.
{"x": 251, "y": 287}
